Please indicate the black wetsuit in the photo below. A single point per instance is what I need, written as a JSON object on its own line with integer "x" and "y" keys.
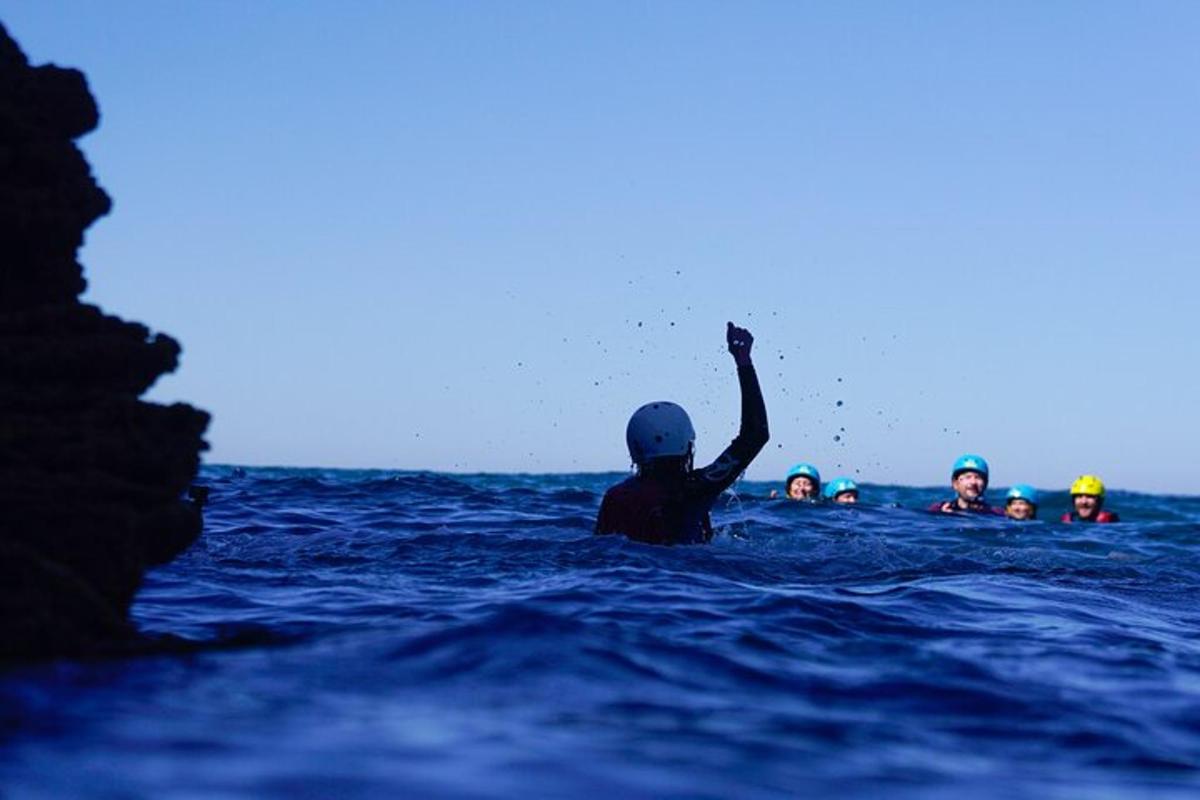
{"x": 673, "y": 507}
{"x": 973, "y": 507}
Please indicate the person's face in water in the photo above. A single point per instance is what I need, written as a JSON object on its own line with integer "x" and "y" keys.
{"x": 969, "y": 485}
{"x": 802, "y": 487}
{"x": 1019, "y": 509}
{"x": 1086, "y": 506}
{"x": 846, "y": 498}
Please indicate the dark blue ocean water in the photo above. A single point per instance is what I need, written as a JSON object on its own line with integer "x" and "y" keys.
{"x": 393, "y": 635}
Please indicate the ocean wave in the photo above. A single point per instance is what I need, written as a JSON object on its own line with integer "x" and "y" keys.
{"x": 467, "y": 636}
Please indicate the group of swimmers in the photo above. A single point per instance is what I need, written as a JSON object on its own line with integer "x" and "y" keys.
{"x": 969, "y": 480}
{"x": 668, "y": 500}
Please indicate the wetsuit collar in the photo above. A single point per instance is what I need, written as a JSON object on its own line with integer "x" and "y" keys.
{"x": 971, "y": 505}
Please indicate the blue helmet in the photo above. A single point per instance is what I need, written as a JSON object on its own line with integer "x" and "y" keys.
{"x": 1022, "y": 491}
{"x": 970, "y": 463}
{"x": 839, "y": 485}
{"x": 803, "y": 469}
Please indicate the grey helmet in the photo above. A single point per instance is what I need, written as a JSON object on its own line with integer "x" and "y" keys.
{"x": 659, "y": 430}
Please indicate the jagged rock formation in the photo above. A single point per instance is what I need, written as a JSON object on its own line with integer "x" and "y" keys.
{"x": 91, "y": 477}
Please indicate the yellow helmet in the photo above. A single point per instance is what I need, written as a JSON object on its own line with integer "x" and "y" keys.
{"x": 1088, "y": 484}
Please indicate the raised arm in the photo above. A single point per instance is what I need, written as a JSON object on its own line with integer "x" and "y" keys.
{"x": 753, "y": 434}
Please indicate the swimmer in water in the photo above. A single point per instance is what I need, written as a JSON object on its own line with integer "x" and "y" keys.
{"x": 969, "y": 479}
{"x": 842, "y": 491}
{"x": 667, "y": 501}
{"x": 1087, "y": 496}
{"x": 803, "y": 482}
{"x": 1021, "y": 502}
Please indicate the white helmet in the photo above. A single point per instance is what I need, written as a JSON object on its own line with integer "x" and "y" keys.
{"x": 659, "y": 429}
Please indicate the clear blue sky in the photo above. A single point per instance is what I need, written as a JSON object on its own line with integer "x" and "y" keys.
{"x": 474, "y": 236}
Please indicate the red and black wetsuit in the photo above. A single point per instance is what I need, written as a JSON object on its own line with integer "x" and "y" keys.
{"x": 673, "y": 507}
{"x": 1101, "y": 516}
{"x": 973, "y": 507}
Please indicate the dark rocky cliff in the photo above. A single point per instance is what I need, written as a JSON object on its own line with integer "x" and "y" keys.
{"x": 91, "y": 477}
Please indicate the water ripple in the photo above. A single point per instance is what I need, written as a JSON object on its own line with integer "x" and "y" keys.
{"x": 466, "y": 636}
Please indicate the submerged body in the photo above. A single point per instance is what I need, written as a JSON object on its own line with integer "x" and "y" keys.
{"x": 803, "y": 482}
{"x": 1021, "y": 502}
{"x": 1087, "y": 499}
{"x": 842, "y": 491}
{"x": 958, "y": 505}
{"x": 969, "y": 480}
{"x": 1098, "y": 516}
{"x": 668, "y": 502}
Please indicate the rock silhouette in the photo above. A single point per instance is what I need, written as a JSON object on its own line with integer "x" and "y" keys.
{"x": 91, "y": 477}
